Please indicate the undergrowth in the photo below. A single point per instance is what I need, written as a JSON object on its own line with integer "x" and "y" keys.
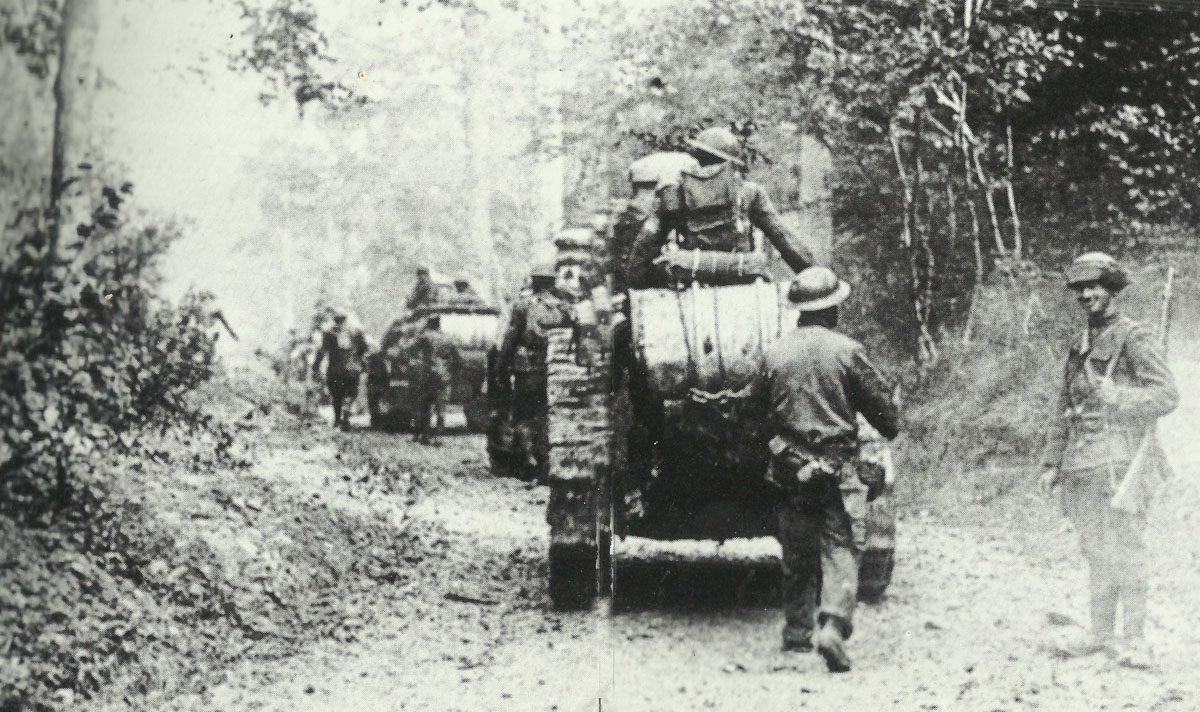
{"x": 976, "y": 422}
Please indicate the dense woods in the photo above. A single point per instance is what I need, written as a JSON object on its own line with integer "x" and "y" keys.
{"x": 931, "y": 148}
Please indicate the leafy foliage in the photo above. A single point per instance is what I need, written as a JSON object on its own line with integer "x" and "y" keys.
{"x": 30, "y": 28}
{"x": 968, "y": 137}
{"x": 90, "y": 354}
{"x": 287, "y": 49}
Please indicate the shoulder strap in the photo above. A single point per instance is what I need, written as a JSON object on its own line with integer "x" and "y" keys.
{"x": 1126, "y": 326}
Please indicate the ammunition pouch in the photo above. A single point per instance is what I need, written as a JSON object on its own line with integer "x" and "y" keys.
{"x": 796, "y": 472}
{"x": 873, "y": 475}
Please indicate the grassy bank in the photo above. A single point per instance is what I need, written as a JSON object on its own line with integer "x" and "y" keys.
{"x": 976, "y": 423}
{"x": 182, "y": 564}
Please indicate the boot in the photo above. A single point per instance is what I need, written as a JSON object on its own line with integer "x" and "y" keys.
{"x": 1135, "y": 651}
{"x": 1101, "y": 637}
{"x": 1133, "y": 605}
{"x": 831, "y": 644}
{"x": 1136, "y": 655}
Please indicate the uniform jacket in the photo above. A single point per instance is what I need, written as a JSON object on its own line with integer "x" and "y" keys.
{"x": 423, "y": 292}
{"x": 345, "y": 349}
{"x": 434, "y": 358}
{"x": 675, "y": 212}
{"x": 815, "y": 381}
{"x": 523, "y": 348}
{"x": 1088, "y": 436}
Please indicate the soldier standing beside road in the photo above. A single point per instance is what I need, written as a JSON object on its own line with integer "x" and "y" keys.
{"x": 1115, "y": 386}
{"x": 522, "y": 357}
{"x": 816, "y": 381}
{"x": 346, "y": 350}
{"x": 711, "y": 208}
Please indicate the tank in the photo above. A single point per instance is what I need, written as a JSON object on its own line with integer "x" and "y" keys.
{"x": 655, "y": 446}
{"x": 471, "y": 326}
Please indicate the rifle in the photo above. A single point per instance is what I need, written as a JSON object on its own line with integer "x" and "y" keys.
{"x": 1126, "y": 498}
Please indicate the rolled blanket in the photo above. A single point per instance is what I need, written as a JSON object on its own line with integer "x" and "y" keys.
{"x": 712, "y": 265}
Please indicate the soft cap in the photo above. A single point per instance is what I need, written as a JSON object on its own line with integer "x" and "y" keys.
{"x": 1097, "y": 267}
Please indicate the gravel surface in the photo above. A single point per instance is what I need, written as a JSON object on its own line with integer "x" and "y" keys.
{"x": 965, "y": 625}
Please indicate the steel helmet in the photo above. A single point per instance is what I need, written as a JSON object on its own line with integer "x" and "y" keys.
{"x": 1097, "y": 267}
{"x": 575, "y": 238}
{"x": 543, "y": 270}
{"x": 817, "y": 288}
{"x": 719, "y": 142}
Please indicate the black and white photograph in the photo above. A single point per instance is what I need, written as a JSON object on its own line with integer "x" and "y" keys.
{"x": 599, "y": 355}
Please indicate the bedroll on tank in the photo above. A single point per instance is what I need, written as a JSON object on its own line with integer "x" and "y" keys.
{"x": 708, "y": 338}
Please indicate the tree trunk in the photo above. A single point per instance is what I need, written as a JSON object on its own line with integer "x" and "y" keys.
{"x": 807, "y": 208}
{"x": 477, "y": 126}
{"x": 549, "y": 89}
{"x": 74, "y": 87}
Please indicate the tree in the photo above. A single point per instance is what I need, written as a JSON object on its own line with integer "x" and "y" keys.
{"x": 72, "y": 151}
{"x": 946, "y": 119}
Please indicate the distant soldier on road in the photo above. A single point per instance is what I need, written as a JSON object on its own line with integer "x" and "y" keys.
{"x": 816, "y": 382}
{"x": 712, "y": 208}
{"x": 1115, "y": 386}
{"x": 345, "y": 349}
{"x": 435, "y": 361}
{"x": 522, "y": 357}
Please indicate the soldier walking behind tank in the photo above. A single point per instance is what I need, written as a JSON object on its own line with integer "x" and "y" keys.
{"x": 346, "y": 350}
{"x": 711, "y": 208}
{"x": 522, "y": 357}
{"x": 816, "y": 381}
{"x": 1115, "y": 386}
{"x": 435, "y": 359}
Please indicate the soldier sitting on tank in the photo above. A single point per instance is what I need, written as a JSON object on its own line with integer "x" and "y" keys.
{"x": 815, "y": 382}
{"x": 465, "y": 293}
{"x": 522, "y": 357}
{"x": 423, "y": 292}
{"x": 711, "y": 210}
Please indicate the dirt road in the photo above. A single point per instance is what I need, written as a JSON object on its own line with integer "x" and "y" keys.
{"x": 963, "y": 627}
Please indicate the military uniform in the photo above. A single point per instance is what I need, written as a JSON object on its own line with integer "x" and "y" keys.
{"x": 816, "y": 381}
{"x": 423, "y": 292}
{"x": 434, "y": 360}
{"x": 345, "y": 350}
{"x": 646, "y": 175}
{"x": 1094, "y": 443}
{"x": 522, "y": 356}
{"x": 710, "y": 208}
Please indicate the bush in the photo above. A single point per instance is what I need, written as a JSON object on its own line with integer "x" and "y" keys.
{"x": 90, "y": 354}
